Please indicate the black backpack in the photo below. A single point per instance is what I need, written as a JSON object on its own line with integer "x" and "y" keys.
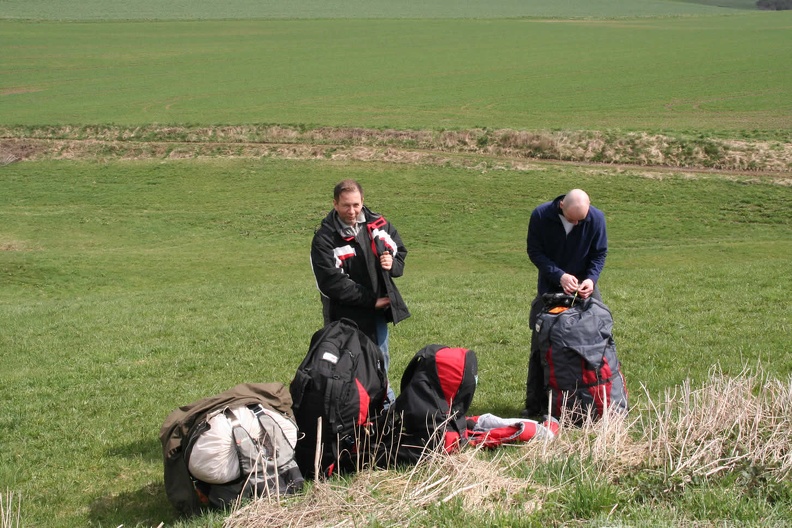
{"x": 341, "y": 381}
{"x": 266, "y": 465}
{"x": 437, "y": 389}
{"x": 581, "y": 370}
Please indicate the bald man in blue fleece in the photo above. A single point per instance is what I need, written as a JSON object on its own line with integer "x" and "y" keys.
{"x": 568, "y": 243}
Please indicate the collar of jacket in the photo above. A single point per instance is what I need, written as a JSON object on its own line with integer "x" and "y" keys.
{"x": 557, "y": 209}
{"x": 346, "y": 232}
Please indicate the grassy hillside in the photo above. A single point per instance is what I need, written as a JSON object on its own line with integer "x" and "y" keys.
{"x": 132, "y": 281}
{"x": 724, "y": 74}
{"x": 131, "y": 288}
{"x": 736, "y": 4}
{"x": 280, "y": 9}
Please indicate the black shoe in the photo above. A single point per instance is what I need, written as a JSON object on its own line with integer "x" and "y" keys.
{"x": 536, "y": 415}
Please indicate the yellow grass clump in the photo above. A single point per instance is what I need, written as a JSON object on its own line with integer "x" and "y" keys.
{"x": 10, "y": 510}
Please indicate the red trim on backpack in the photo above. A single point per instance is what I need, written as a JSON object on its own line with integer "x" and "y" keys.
{"x": 607, "y": 374}
{"x": 451, "y": 441}
{"x": 365, "y": 401}
{"x": 553, "y": 425}
{"x": 590, "y": 379}
{"x": 202, "y": 498}
{"x": 503, "y": 435}
{"x": 450, "y": 364}
{"x": 510, "y": 434}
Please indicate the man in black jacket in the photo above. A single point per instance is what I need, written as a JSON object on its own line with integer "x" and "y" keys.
{"x": 355, "y": 254}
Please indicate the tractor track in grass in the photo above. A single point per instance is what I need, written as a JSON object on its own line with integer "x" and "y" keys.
{"x": 650, "y": 154}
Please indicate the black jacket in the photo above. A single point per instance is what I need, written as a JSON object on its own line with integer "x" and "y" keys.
{"x": 348, "y": 273}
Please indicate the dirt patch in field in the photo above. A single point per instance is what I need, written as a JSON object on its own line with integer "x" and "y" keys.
{"x": 483, "y": 149}
{"x": 13, "y": 245}
{"x": 19, "y": 149}
{"x": 15, "y": 90}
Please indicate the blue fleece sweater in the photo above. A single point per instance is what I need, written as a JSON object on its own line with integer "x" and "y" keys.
{"x": 580, "y": 253}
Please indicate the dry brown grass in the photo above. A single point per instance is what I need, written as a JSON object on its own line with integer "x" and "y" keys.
{"x": 10, "y": 510}
{"x": 731, "y": 422}
{"x": 395, "y": 497}
{"x": 17, "y": 245}
{"x": 473, "y": 148}
{"x": 727, "y": 424}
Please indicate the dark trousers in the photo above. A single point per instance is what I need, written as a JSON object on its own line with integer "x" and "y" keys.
{"x": 535, "y": 390}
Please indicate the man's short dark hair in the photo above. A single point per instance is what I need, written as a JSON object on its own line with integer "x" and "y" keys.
{"x": 346, "y": 186}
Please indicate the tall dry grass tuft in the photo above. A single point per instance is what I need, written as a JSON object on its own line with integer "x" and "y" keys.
{"x": 10, "y": 511}
{"x": 728, "y": 423}
{"x": 607, "y": 443}
{"x": 394, "y": 497}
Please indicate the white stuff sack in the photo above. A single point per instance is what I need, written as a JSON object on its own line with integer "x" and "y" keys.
{"x": 286, "y": 425}
{"x": 214, "y": 457}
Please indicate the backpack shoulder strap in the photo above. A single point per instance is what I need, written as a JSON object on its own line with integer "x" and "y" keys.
{"x": 332, "y": 394}
{"x": 246, "y": 447}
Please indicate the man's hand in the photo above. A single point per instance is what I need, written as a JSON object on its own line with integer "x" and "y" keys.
{"x": 386, "y": 261}
{"x": 585, "y": 289}
{"x": 382, "y": 303}
{"x": 569, "y": 283}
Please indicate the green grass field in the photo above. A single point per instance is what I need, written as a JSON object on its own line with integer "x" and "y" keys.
{"x": 300, "y": 9}
{"x": 728, "y": 75}
{"x": 130, "y": 287}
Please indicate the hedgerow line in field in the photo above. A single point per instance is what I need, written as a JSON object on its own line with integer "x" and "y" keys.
{"x": 504, "y": 148}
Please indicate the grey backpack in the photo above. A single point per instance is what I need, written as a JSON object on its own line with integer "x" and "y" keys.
{"x": 235, "y": 445}
{"x": 581, "y": 370}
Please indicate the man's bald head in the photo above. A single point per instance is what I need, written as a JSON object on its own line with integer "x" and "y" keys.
{"x": 575, "y": 205}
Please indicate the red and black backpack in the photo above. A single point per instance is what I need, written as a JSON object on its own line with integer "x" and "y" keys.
{"x": 342, "y": 380}
{"x": 437, "y": 388}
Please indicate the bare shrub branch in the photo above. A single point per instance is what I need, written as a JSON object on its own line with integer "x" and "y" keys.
{"x": 10, "y": 510}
